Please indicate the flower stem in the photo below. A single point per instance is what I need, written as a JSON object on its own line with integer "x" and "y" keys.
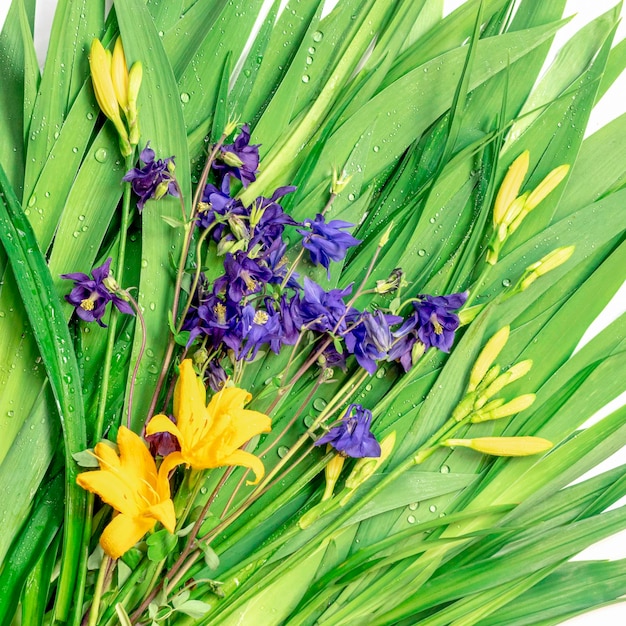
{"x": 97, "y": 594}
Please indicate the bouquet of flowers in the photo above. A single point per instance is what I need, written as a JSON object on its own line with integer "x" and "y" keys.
{"x": 289, "y": 307}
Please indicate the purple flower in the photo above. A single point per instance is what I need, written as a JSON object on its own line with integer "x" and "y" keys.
{"x": 216, "y": 376}
{"x": 323, "y": 310}
{"x": 277, "y": 262}
{"x": 370, "y": 338}
{"x": 212, "y": 318}
{"x": 219, "y": 204}
{"x": 243, "y": 276}
{"x": 326, "y": 241}
{"x": 268, "y": 218}
{"x": 163, "y": 443}
{"x": 333, "y": 358}
{"x": 353, "y": 437}
{"x": 438, "y": 320}
{"x": 91, "y": 295}
{"x": 154, "y": 179}
{"x": 253, "y": 329}
{"x": 239, "y": 159}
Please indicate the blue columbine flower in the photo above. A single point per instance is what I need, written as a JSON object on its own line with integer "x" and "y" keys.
{"x": 268, "y": 218}
{"x": 243, "y": 276}
{"x": 239, "y": 159}
{"x": 327, "y": 241}
{"x": 91, "y": 295}
{"x": 323, "y": 310}
{"x": 353, "y": 437}
{"x": 250, "y": 331}
{"x": 438, "y": 320}
{"x": 154, "y": 179}
{"x": 370, "y": 338}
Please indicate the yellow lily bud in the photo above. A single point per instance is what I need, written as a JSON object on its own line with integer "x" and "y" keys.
{"x": 119, "y": 75}
{"x": 134, "y": 83}
{"x": 551, "y": 261}
{"x": 384, "y": 240}
{"x": 487, "y": 357}
{"x": 364, "y": 468}
{"x": 546, "y": 186}
{"x": 517, "y": 405}
{"x": 514, "y": 210}
{"x": 100, "y": 65}
{"x": 503, "y": 446}
{"x": 469, "y": 314}
{"x": 511, "y": 185}
{"x": 332, "y": 472}
{"x": 514, "y": 373}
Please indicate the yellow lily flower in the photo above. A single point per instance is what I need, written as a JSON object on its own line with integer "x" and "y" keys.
{"x": 131, "y": 484}
{"x": 210, "y": 435}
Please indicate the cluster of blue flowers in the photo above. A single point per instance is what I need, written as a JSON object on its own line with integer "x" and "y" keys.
{"x": 259, "y": 302}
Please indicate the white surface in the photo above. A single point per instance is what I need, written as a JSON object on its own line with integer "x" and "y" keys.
{"x": 612, "y": 105}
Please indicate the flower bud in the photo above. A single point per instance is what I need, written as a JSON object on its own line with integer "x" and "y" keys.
{"x": 513, "y": 211}
{"x": 119, "y": 75}
{"x": 134, "y": 83}
{"x": 546, "y": 186}
{"x": 469, "y": 314}
{"x": 231, "y": 126}
{"x": 551, "y": 261}
{"x": 200, "y": 357}
{"x": 487, "y": 357}
{"x": 464, "y": 407}
{"x": 365, "y": 467}
{"x": 417, "y": 351}
{"x": 111, "y": 284}
{"x": 514, "y": 373}
{"x": 100, "y": 66}
{"x": 384, "y": 240}
{"x": 161, "y": 190}
{"x": 391, "y": 284}
{"x": 230, "y": 158}
{"x": 517, "y": 405}
{"x": 332, "y": 472}
{"x": 238, "y": 227}
{"x": 503, "y": 446}
{"x": 509, "y": 189}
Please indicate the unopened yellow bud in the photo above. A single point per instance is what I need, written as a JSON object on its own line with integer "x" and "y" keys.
{"x": 339, "y": 182}
{"x": 465, "y": 407}
{"x": 513, "y": 212}
{"x": 514, "y": 373}
{"x": 503, "y": 446}
{"x": 119, "y": 75}
{"x": 100, "y": 66}
{"x": 551, "y": 261}
{"x": 332, "y": 471}
{"x": 487, "y": 357}
{"x": 512, "y": 183}
{"x": 134, "y": 83}
{"x": 366, "y": 467}
{"x": 517, "y": 405}
{"x": 546, "y": 186}
{"x": 469, "y": 314}
{"x": 384, "y": 240}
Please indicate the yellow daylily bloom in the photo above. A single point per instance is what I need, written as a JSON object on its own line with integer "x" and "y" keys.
{"x": 119, "y": 75}
{"x": 131, "y": 484}
{"x": 210, "y": 435}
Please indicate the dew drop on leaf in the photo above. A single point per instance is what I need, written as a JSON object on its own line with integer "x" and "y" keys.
{"x": 101, "y": 155}
{"x": 282, "y": 451}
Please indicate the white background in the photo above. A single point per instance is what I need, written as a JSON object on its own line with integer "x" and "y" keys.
{"x": 612, "y": 105}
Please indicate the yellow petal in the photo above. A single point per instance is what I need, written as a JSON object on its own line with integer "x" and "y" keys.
{"x": 510, "y": 187}
{"x": 164, "y": 512}
{"x": 245, "y": 459}
{"x": 136, "y": 459}
{"x": 163, "y": 424}
{"x": 228, "y": 400}
{"x": 100, "y": 65}
{"x": 123, "y": 533}
{"x": 112, "y": 489}
{"x": 106, "y": 456}
{"x": 169, "y": 463}
{"x": 189, "y": 397}
{"x": 119, "y": 74}
{"x": 247, "y": 424}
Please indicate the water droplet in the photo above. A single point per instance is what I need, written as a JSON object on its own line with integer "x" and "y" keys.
{"x": 318, "y": 35}
{"x": 311, "y": 50}
{"x": 247, "y": 72}
{"x": 309, "y": 60}
{"x": 283, "y": 451}
{"x": 161, "y": 33}
{"x": 421, "y": 252}
{"x": 306, "y": 78}
{"x": 47, "y": 194}
{"x": 101, "y": 155}
{"x": 413, "y": 506}
{"x": 411, "y": 519}
{"x": 432, "y": 508}
{"x": 2, "y": 313}
{"x": 506, "y": 282}
{"x": 368, "y": 387}
{"x": 184, "y": 97}
{"x": 10, "y": 413}
{"x": 376, "y": 148}
{"x": 351, "y": 197}
{"x": 153, "y": 369}
{"x": 144, "y": 262}
{"x": 74, "y": 149}
{"x": 381, "y": 372}
{"x": 432, "y": 220}
{"x": 203, "y": 490}
{"x": 89, "y": 116}
{"x": 32, "y": 200}
{"x": 319, "y": 404}
{"x": 308, "y": 420}
{"x": 150, "y": 352}
{"x": 75, "y": 234}
{"x": 444, "y": 469}
{"x": 85, "y": 228}
{"x": 152, "y": 306}
{"x": 81, "y": 218}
